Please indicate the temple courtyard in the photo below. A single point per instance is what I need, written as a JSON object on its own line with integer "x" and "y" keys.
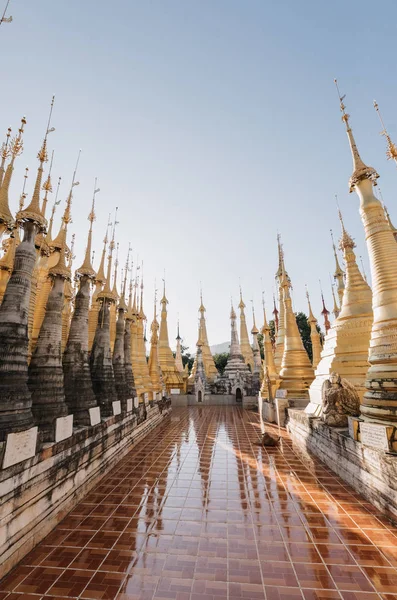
{"x": 199, "y": 511}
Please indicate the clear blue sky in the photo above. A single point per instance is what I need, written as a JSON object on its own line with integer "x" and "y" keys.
{"x": 212, "y": 125}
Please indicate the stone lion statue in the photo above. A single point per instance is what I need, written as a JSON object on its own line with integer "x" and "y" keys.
{"x": 339, "y": 401}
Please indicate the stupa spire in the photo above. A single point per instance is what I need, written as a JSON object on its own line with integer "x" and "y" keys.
{"x": 391, "y": 147}
{"x": 178, "y": 354}
{"x": 107, "y": 291}
{"x": 257, "y": 361}
{"x": 296, "y": 371}
{"x": 338, "y": 273}
{"x": 172, "y": 377}
{"x": 87, "y": 268}
{"x": 270, "y": 379}
{"x": 245, "y": 345}
{"x": 12, "y": 148}
{"x": 4, "y": 153}
{"x": 33, "y": 211}
{"x": 335, "y": 309}
{"x": 67, "y": 215}
{"x": 209, "y": 365}
{"x": 154, "y": 365}
{"x": 48, "y": 237}
{"x": 282, "y": 279}
{"x": 325, "y": 312}
{"x": 314, "y": 334}
{"x": 47, "y": 187}
{"x": 361, "y": 171}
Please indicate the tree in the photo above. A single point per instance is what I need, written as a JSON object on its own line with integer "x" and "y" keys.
{"x": 220, "y": 361}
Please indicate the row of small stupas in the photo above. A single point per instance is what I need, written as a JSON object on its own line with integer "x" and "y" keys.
{"x": 65, "y": 352}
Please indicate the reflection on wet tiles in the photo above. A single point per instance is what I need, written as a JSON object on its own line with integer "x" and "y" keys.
{"x": 198, "y": 511}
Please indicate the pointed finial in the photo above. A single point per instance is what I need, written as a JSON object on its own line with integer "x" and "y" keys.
{"x": 178, "y": 337}
{"x": 155, "y": 302}
{"x": 363, "y": 269}
{"x": 4, "y": 153}
{"x": 87, "y": 268}
{"x": 126, "y": 270}
{"x": 164, "y": 298}
{"x": 12, "y": 148}
{"x": 47, "y": 187}
{"x": 311, "y": 316}
{"x": 346, "y": 240}
{"x": 392, "y": 148}
{"x": 33, "y": 212}
{"x": 335, "y": 309}
{"x": 360, "y": 169}
{"x": 48, "y": 238}
{"x": 23, "y": 195}
{"x": 67, "y": 217}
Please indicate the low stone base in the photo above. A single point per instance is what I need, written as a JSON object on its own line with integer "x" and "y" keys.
{"x": 372, "y": 472}
{"x": 37, "y": 493}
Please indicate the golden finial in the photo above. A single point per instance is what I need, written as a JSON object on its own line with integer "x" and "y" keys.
{"x": 116, "y": 264}
{"x": 155, "y": 304}
{"x": 47, "y": 187}
{"x": 107, "y": 292}
{"x": 311, "y": 316}
{"x": 115, "y": 223}
{"x": 241, "y": 303}
{"x": 100, "y": 276}
{"x": 71, "y": 255}
{"x": 87, "y": 268}
{"x": 54, "y": 206}
{"x": 164, "y": 298}
{"x": 33, "y": 212}
{"x": 16, "y": 144}
{"x": 346, "y": 240}
{"x": 13, "y": 148}
{"x": 5, "y": 19}
{"x": 5, "y": 153}
{"x": 363, "y": 269}
{"x": 360, "y": 169}
{"x": 67, "y": 216}
{"x": 124, "y": 279}
{"x": 392, "y": 148}
{"x": 23, "y": 195}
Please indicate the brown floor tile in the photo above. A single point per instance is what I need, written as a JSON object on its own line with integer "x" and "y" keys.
{"x": 278, "y": 574}
{"x": 282, "y": 593}
{"x": 246, "y": 591}
{"x": 314, "y": 576}
{"x": 384, "y": 579}
{"x": 348, "y": 577}
{"x": 103, "y": 586}
{"x": 226, "y": 520}
{"x": 320, "y": 594}
{"x": 15, "y": 577}
{"x": 71, "y": 583}
{"x": 39, "y": 580}
{"x": 137, "y": 587}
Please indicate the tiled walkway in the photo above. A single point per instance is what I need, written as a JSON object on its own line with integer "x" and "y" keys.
{"x": 197, "y": 511}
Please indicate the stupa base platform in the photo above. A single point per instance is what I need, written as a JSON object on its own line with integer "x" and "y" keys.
{"x": 37, "y": 493}
{"x": 372, "y": 472}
